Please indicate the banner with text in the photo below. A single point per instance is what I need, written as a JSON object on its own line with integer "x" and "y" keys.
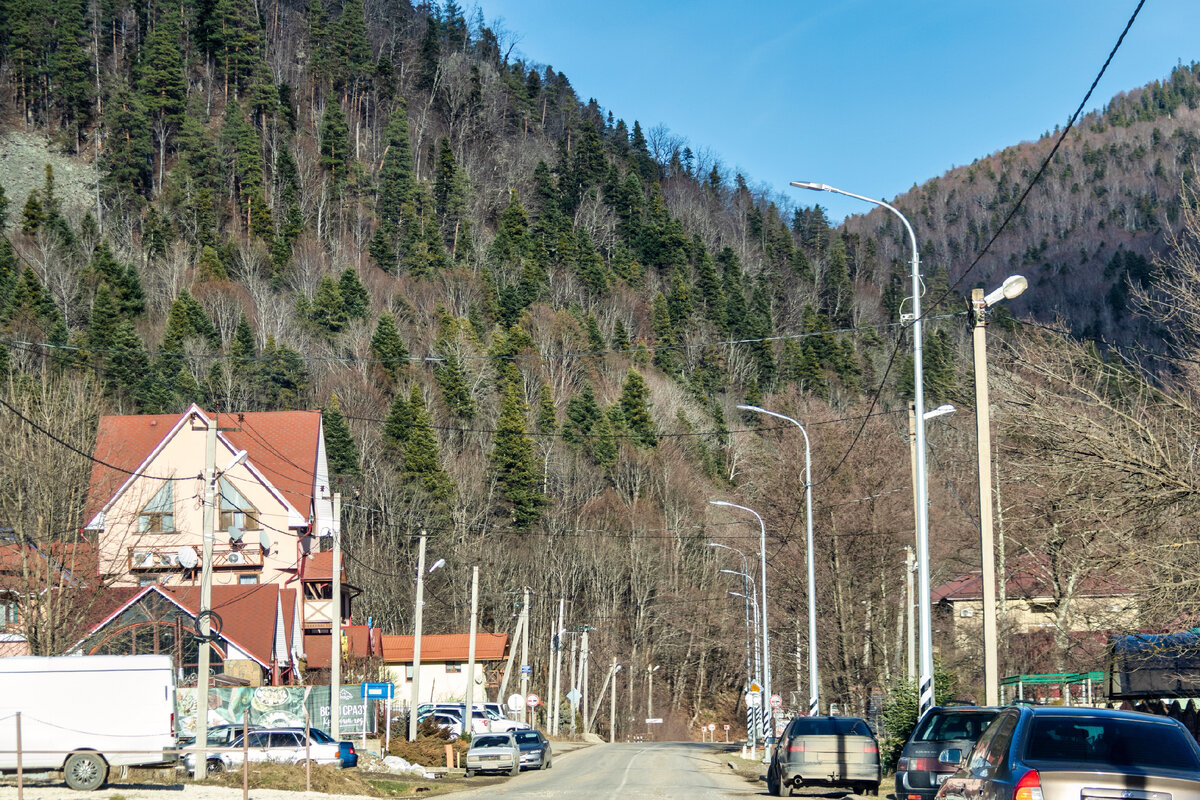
{"x": 276, "y": 707}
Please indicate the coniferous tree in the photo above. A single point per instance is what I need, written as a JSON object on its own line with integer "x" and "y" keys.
{"x": 355, "y": 299}
{"x": 340, "y": 449}
{"x": 582, "y": 414}
{"x": 328, "y": 311}
{"x": 452, "y": 379}
{"x": 3, "y": 210}
{"x": 547, "y": 415}
{"x": 388, "y": 347}
{"x": 335, "y": 143}
{"x": 128, "y": 149}
{"x": 282, "y": 377}
{"x": 422, "y": 460}
{"x": 635, "y": 410}
{"x": 514, "y": 462}
{"x": 604, "y": 446}
{"x": 162, "y": 86}
{"x": 398, "y": 424}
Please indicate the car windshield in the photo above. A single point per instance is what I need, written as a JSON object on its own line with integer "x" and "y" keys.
{"x": 525, "y": 737}
{"x": 945, "y": 726}
{"x": 491, "y": 741}
{"x": 319, "y": 736}
{"x": 830, "y": 726}
{"x": 1111, "y": 742}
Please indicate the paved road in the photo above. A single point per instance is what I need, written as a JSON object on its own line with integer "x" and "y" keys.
{"x": 646, "y": 771}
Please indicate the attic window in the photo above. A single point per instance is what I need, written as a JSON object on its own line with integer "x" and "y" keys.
{"x": 236, "y": 510}
{"x": 159, "y": 514}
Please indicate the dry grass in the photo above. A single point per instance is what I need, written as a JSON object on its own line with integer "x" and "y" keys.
{"x": 325, "y": 779}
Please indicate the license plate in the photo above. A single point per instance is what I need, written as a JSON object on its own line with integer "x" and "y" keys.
{"x": 940, "y": 778}
{"x": 490, "y": 758}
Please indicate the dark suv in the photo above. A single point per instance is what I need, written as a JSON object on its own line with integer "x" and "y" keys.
{"x": 937, "y": 744}
{"x": 825, "y": 751}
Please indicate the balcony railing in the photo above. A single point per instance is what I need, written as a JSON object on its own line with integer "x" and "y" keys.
{"x": 163, "y": 559}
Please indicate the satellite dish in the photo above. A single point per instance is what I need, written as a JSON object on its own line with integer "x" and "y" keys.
{"x": 187, "y": 557}
{"x": 326, "y": 533}
{"x": 265, "y": 541}
{"x": 235, "y": 533}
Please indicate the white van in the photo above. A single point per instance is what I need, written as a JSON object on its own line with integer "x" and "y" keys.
{"x": 85, "y": 714}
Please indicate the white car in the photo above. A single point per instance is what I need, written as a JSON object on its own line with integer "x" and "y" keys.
{"x": 287, "y": 745}
{"x": 484, "y": 719}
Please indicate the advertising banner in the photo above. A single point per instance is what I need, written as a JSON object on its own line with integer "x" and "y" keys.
{"x": 276, "y": 707}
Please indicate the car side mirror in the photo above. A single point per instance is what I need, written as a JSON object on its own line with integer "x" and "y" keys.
{"x": 951, "y": 755}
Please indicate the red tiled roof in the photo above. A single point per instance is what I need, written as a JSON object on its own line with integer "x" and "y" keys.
{"x": 446, "y": 647}
{"x": 282, "y": 445}
{"x": 1026, "y": 579}
{"x": 248, "y": 613}
{"x": 359, "y": 643}
{"x": 319, "y": 567}
{"x": 78, "y": 558}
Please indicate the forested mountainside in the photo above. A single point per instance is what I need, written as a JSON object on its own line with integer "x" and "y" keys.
{"x": 527, "y": 320}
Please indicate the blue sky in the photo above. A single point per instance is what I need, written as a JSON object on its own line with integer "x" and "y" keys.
{"x": 871, "y": 96}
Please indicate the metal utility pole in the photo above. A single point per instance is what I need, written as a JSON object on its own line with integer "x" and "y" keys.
{"x": 562, "y": 611}
{"x": 414, "y": 695}
{"x": 574, "y": 682}
{"x": 526, "y": 711}
{"x": 469, "y": 712}
{"x": 335, "y": 627}
{"x": 205, "y": 615}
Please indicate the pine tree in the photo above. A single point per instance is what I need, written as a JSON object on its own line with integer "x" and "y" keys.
{"x": 388, "y": 347}
{"x": 514, "y": 462}
{"x": 355, "y": 300}
{"x": 604, "y": 447}
{"x": 242, "y": 350}
{"x": 282, "y": 377}
{"x": 162, "y": 86}
{"x": 398, "y": 423}
{"x": 582, "y": 414}
{"x": 32, "y": 215}
{"x": 340, "y": 449}
{"x": 635, "y": 410}
{"x": 127, "y": 155}
{"x": 335, "y": 142}
{"x": 328, "y": 312}
{"x": 547, "y": 415}
{"x": 396, "y": 175}
{"x": 3, "y": 210}
{"x": 452, "y": 379}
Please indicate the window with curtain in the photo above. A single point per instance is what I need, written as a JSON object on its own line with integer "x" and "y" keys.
{"x": 236, "y": 510}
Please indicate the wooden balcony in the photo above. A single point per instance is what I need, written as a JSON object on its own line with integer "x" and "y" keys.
{"x": 166, "y": 558}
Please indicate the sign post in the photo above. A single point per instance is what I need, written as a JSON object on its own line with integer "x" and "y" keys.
{"x": 378, "y": 691}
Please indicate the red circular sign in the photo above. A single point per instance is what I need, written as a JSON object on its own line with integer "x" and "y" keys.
{"x": 776, "y": 701}
{"x": 533, "y": 701}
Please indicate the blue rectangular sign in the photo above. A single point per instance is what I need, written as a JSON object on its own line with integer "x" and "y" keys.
{"x": 379, "y": 691}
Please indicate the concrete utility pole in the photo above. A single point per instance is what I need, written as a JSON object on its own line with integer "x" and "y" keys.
{"x": 205, "y": 615}
{"x": 562, "y": 611}
{"x": 612, "y": 704}
{"x": 574, "y": 682}
{"x": 526, "y": 712}
{"x": 583, "y": 669}
{"x": 335, "y": 626}
{"x": 469, "y": 711}
{"x": 414, "y": 695}
{"x": 910, "y": 564}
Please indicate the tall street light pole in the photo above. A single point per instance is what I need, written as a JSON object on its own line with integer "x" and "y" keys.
{"x": 768, "y": 727}
{"x": 814, "y": 683}
{"x": 910, "y": 562}
{"x": 746, "y": 603}
{"x": 926, "y": 617}
{"x": 980, "y": 303}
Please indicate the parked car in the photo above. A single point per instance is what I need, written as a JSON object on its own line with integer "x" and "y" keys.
{"x": 535, "y": 749}
{"x": 287, "y": 745}
{"x": 451, "y": 723}
{"x": 936, "y": 746}
{"x": 825, "y": 751}
{"x": 219, "y": 736}
{"x": 493, "y": 752}
{"x": 485, "y": 717}
{"x": 1056, "y": 753}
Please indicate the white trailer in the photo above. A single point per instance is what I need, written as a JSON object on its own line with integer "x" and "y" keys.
{"x": 85, "y": 714}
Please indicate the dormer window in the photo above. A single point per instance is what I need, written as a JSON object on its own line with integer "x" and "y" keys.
{"x": 236, "y": 511}
{"x": 159, "y": 514}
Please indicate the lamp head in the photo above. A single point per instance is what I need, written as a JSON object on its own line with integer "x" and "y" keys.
{"x": 441, "y": 562}
{"x": 238, "y": 458}
{"x": 939, "y": 411}
{"x": 1012, "y": 287}
{"x": 752, "y": 408}
{"x": 816, "y": 187}
{"x": 720, "y": 503}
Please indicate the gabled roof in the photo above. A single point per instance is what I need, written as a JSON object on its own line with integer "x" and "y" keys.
{"x": 249, "y": 614}
{"x": 445, "y": 647}
{"x": 1027, "y": 579}
{"x": 361, "y": 642}
{"x": 284, "y": 446}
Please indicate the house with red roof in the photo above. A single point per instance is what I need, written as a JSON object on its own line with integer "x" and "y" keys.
{"x": 145, "y": 510}
{"x": 444, "y": 665}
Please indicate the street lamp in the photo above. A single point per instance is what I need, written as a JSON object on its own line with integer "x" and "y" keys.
{"x": 912, "y": 449}
{"x": 814, "y": 683}
{"x": 1012, "y": 286}
{"x": 650, "y": 670}
{"x": 926, "y": 682}
{"x": 415, "y": 689}
{"x": 768, "y": 729}
{"x": 745, "y": 597}
{"x": 753, "y": 712}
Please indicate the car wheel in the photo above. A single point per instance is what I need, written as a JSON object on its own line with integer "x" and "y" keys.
{"x": 85, "y": 772}
{"x": 215, "y": 766}
{"x": 873, "y": 790}
{"x": 773, "y": 786}
{"x": 470, "y": 773}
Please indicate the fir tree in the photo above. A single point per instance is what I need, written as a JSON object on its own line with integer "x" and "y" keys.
{"x": 635, "y": 410}
{"x": 355, "y": 300}
{"x": 328, "y": 312}
{"x": 547, "y": 415}
{"x": 582, "y": 414}
{"x": 396, "y": 174}
{"x": 604, "y": 447}
{"x": 388, "y": 347}
{"x": 335, "y": 142}
{"x": 452, "y": 379}
{"x": 162, "y": 86}
{"x": 422, "y": 461}
{"x": 514, "y": 462}
{"x": 282, "y": 377}
{"x": 340, "y": 449}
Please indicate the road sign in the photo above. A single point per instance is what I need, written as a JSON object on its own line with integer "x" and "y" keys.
{"x": 726, "y": 727}
{"x": 574, "y": 696}
{"x": 515, "y": 701}
{"x": 776, "y": 701}
{"x": 712, "y": 726}
{"x": 526, "y": 669}
{"x": 754, "y": 699}
{"x": 754, "y": 687}
{"x": 379, "y": 691}
{"x": 533, "y": 701}
{"x": 654, "y": 721}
